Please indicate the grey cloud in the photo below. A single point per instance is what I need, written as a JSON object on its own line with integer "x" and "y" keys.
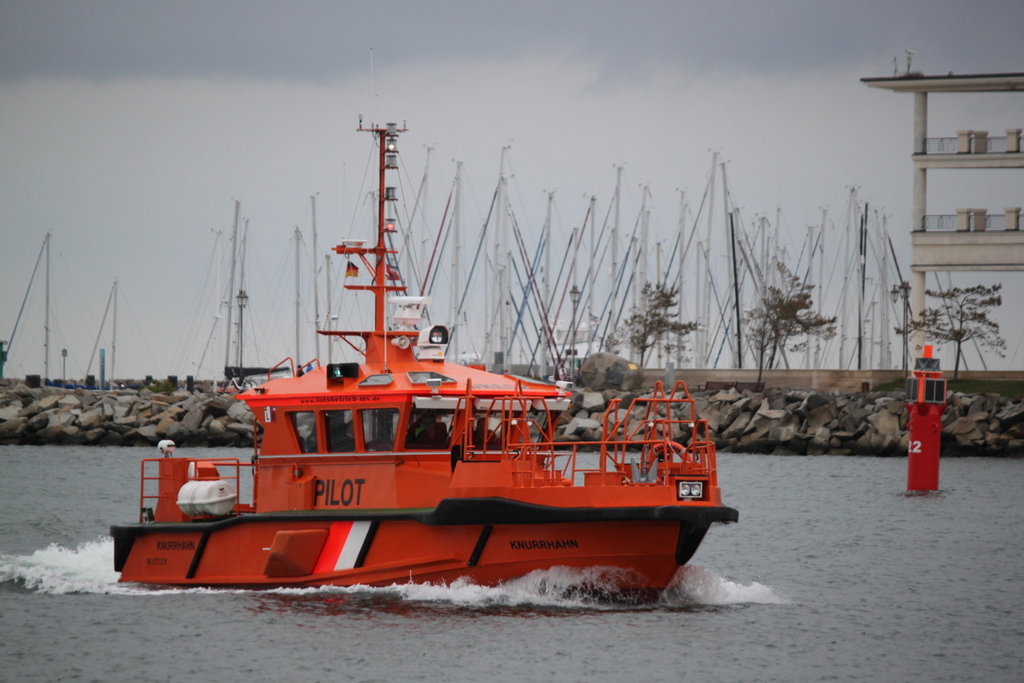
{"x": 318, "y": 41}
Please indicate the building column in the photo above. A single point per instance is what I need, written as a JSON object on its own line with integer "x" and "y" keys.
{"x": 1013, "y": 140}
{"x": 1012, "y": 217}
{"x": 963, "y": 220}
{"x": 981, "y": 142}
{"x": 920, "y": 177}
{"x": 917, "y": 305}
{"x": 963, "y": 141}
{"x": 980, "y": 216}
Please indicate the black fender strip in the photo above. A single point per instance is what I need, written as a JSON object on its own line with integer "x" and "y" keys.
{"x": 689, "y": 540}
{"x": 478, "y": 549}
{"x": 370, "y": 533}
{"x": 198, "y": 554}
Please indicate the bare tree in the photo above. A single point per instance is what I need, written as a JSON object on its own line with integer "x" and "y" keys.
{"x": 651, "y": 323}
{"x": 963, "y": 317}
{"x": 784, "y": 312}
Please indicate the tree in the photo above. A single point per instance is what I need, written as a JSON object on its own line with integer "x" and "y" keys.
{"x": 963, "y": 317}
{"x": 783, "y": 312}
{"x": 651, "y": 323}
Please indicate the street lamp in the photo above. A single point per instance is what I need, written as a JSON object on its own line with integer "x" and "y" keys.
{"x": 64, "y": 371}
{"x": 242, "y": 298}
{"x": 902, "y": 291}
{"x": 574, "y": 296}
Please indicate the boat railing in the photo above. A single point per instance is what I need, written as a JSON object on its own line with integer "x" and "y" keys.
{"x": 657, "y": 435}
{"x": 178, "y": 471}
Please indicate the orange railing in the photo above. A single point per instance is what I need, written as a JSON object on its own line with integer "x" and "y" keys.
{"x": 522, "y": 434}
{"x": 228, "y": 469}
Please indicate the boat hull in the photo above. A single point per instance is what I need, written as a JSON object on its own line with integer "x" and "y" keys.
{"x": 493, "y": 541}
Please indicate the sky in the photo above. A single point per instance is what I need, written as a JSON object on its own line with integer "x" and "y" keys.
{"x": 128, "y": 131}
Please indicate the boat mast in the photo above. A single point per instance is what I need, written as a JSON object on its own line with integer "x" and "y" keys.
{"x": 46, "y": 321}
{"x": 456, "y": 235}
{"x": 615, "y": 246}
{"x": 298, "y": 238}
{"x": 591, "y": 329}
{"x": 704, "y": 274}
{"x": 376, "y": 341}
{"x": 241, "y": 299}
{"x": 316, "y": 287}
{"x": 327, "y": 323}
{"x": 113, "y": 338}
{"x": 679, "y": 276}
{"x": 231, "y": 289}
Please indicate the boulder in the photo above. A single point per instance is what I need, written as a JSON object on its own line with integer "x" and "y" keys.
{"x": 819, "y": 416}
{"x": 1011, "y": 415}
{"x": 602, "y": 371}
{"x": 10, "y": 411}
{"x": 90, "y": 419}
{"x": 738, "y": 426}
{"x": 239, "y": 412}
{"x": 885, "y": 423}
{"x": 193, "y": 419}
{"x": 13, "y": 428}
{"x": 593, "y": 402}
{"x": 820, "y": 443}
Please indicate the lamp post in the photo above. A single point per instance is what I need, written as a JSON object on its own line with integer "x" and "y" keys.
{"x": 64, "y": 370}
{"x": 574, "y": 295}
{"x": 242, "y": 298}
{"x": 902, "y": 291}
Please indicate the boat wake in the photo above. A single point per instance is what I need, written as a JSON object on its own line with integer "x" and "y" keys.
{"x": 59, "y": 570}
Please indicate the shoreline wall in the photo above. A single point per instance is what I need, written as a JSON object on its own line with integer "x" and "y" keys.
{"x": 122, "y": 418}
{"x": 796, "y": 422}
{"x": 777, "y": 421}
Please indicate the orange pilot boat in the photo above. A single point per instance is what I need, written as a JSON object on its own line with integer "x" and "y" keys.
{"x": 408, "y": 467}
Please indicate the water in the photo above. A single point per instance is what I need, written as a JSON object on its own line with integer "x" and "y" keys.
{"x": 832, "y": 574}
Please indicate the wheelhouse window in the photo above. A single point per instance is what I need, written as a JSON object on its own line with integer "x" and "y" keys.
{"x": 304, "y": 425}
{"x": 380, "y": 426}
{"x": 429, "y": 429}
{"x": 340, "y": 430}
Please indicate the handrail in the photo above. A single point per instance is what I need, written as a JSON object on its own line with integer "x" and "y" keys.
{"x": 545, "y": 462}
{"x": 288, "y": 360}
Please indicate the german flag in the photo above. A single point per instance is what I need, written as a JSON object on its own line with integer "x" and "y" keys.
{"x": 351, "y": 270}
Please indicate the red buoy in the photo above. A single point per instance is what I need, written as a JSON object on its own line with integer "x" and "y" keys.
{"x": 926, "y": 401}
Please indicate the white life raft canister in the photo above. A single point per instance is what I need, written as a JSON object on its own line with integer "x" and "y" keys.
{"x": 207, "y": 497}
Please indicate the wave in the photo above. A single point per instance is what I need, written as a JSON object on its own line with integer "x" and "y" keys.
{"x": 88, "y": 568}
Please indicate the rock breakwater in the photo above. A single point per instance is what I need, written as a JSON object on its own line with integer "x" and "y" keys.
{"x": 788, "y": 422}
{"x": 777, "y": 421}
{"x": 122, "y": 418}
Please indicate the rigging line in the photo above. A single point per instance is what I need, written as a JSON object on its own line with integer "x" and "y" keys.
{"x": 190, "y": 330}
{"x": 612, "y": 317}
{"x": 479, "y": 246}
{"x": 10, "y": 342}
{"x": 374, "y": 153}
{"x": 99, "y": 333}
{"x": 437, "y": 240}
{"x": 531, "y": 284}
{"x": 138, "y": 327}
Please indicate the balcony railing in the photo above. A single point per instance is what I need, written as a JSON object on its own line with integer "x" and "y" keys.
{"x": 973, "y": 143}
{"x": 948, "y": 223}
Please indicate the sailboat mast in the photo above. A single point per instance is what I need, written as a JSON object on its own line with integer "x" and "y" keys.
{"x": 456, "y": 262}
{"x": 615, "y": 246}
{"x": 549, "y": 343}
{"x": 316, "y": 287}
{"x": 682, "y": 270}
{"x": 46, "y": 320}
{"x": 113, "y": 338}
{"x": 593, "y": 273}
{"x": 231, "y": 287}
{"x": 298, "y": 247}
{"x": 328, "y": 322}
